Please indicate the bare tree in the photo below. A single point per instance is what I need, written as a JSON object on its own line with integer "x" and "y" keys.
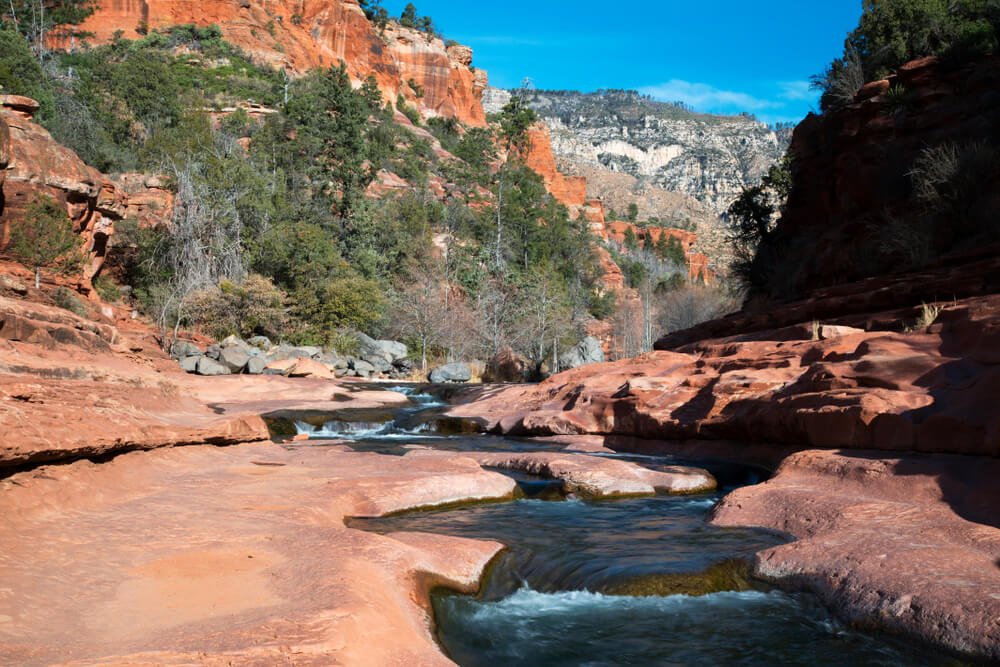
{"x": 421, "y": 310}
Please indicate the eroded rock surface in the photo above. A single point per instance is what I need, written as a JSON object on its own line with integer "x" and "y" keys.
{"x": 231, "y": 555}
{"x": 595, "y": 477}
{"x": 299, "y": 36}
{"x": 930, "y": 392}
{"x": 907, "y": 544}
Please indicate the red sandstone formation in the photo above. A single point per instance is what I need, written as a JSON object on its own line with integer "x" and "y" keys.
{"x": 299, "y": 36}
{"x": 907, "y": 544}
{"x": 232, "y": 555}
{"x": 932, "y": 391}
{"x": 601, "y": 478}
{"x": 570, "y": 191}
{"x": 38, "y": 165}
{"x": 852, "y": 169}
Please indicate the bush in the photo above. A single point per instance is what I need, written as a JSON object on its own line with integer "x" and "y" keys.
{"x": 65, "y": 299}
{"x": 892, "y": 32}
{"x": 45, "y": 238}
{"x": 254, "y": 307}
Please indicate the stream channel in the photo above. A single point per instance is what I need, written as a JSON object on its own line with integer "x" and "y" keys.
{"x": 636, "y": 581}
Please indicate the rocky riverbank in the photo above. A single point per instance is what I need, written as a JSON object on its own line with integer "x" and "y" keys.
{"x": 883, "y": 444}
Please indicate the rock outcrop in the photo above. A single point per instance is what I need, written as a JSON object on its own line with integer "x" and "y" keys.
{"x": 299, "y": 36}
{"x": 929, "y": 391}
{"x": 37, "y": 166}
{"x": 854, "y": 211}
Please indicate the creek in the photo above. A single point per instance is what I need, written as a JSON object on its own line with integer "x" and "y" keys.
{"x": 606, "y": 582}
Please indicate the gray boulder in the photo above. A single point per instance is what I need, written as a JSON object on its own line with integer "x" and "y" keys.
{"x": 181, "y": 349}
{"x": 234, "y": 358}
{"x": 208, "y": 366}
{"x": 256, "y": 365}
{"x": 362, "y": 368}
{"x": 455, "y": 372}
{"x": 260, "y": 342}
{"x": 380, "y": 364}
{"x": 390, "y": 350}
{"x": 190, "y": 364}
{"x": 587, "y": 351}
{"x": 233, "y": 341}
{"x": 213, "y": 352}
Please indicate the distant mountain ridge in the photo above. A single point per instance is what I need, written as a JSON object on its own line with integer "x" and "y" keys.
{"x": 708, "y": 157}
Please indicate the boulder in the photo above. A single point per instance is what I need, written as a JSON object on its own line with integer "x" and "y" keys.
{"x": 213, "y": 352}
{"x": 454, "y": 372}
{"x": 379, "y": 363}
{"x": 233, "y": 341}
{"x": 587, "y": 351}
{"x": 310, "y": 368}
{"x": 279, "y": 366}
{"x": 209, "y": 366}
{"x": 181, "y": 349}
{"x": 362, "y": 368}
{"x": 403, "y": 366}
{"x": 190, "y": 364}
{"x": 260, "y": 342}
{"x": 390, "y": 350}
{"x": 256, "y": 366}
{"x": 234, "y": 358}
{"x": 11, "y": 284}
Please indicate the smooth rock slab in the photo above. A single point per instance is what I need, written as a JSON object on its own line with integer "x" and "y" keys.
{"x": 597, "y": 477}
{"x": 238, "y": 555}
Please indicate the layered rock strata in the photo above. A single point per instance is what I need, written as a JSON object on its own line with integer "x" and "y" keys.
{"x": 298, "y": 36}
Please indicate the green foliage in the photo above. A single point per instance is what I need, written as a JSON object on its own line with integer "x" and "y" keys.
{"x": 323, "y": 310}
{"x": 58, "y": 17}
{"x": 253, "y": 306}
{"x": 20, "y": 73}
{"x": 107, "y": 289}
{"x": 633, "y": 212}
{"x": 66, "y": 300}
{"x": 409, "y": 111}
{"x": 477, "y": 150}
{"x": 891, "y": 32}
{"x": 669, "y": 248}
{"x": 751, "y": 221}
{"x": 631, "y": 242}
{"x": 515, "y": 119}
{"x": 45, "y": 238}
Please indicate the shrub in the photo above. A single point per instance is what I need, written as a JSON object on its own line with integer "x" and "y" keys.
{"x": 65, "y": 299}
{"x": 107, "y": 289}
{"x": 45, "y": 238}
{"x": 252, "y": 307}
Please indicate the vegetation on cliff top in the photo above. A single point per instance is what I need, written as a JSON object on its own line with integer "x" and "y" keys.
{"x": 892, "y": 32}
{"x": 271, "y": 204}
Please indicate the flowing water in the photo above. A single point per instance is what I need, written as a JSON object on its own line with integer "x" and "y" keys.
{"x": 639, "y": 581}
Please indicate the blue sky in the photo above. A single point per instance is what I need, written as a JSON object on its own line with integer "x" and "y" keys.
{"x": 720, "y": 56}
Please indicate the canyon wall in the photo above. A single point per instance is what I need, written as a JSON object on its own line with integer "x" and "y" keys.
{"x": 856, "y": 209}
{"x": 708, "y": 158}
{"x": 298, "y": 36}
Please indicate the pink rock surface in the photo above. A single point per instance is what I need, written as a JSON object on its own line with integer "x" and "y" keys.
{"x": 597, "y": 477}
{"x": 230, "y": 556}
{"x": 907, "y": 544}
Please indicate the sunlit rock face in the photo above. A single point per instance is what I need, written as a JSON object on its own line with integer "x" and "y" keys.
{"x": 298, "y": 36}
{"x": 710, "y": 158}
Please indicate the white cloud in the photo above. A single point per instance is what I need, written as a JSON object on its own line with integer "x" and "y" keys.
{"x": 705, "y": 97}
{"x": 799, "y": 91}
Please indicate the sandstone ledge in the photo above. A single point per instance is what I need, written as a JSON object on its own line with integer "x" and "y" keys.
{"x": 903, "y": 544}
{"x": 230, "y": 555}
{"x": 595, "y": 477}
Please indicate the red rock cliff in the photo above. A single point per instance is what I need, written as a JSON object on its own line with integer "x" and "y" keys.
{"x": 34, "y": 164}
{"x": 299, "y": 36}
{"x": 854, "y": 193}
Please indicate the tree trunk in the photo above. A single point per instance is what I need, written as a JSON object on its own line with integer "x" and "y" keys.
{"x": 38, "y": 277}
